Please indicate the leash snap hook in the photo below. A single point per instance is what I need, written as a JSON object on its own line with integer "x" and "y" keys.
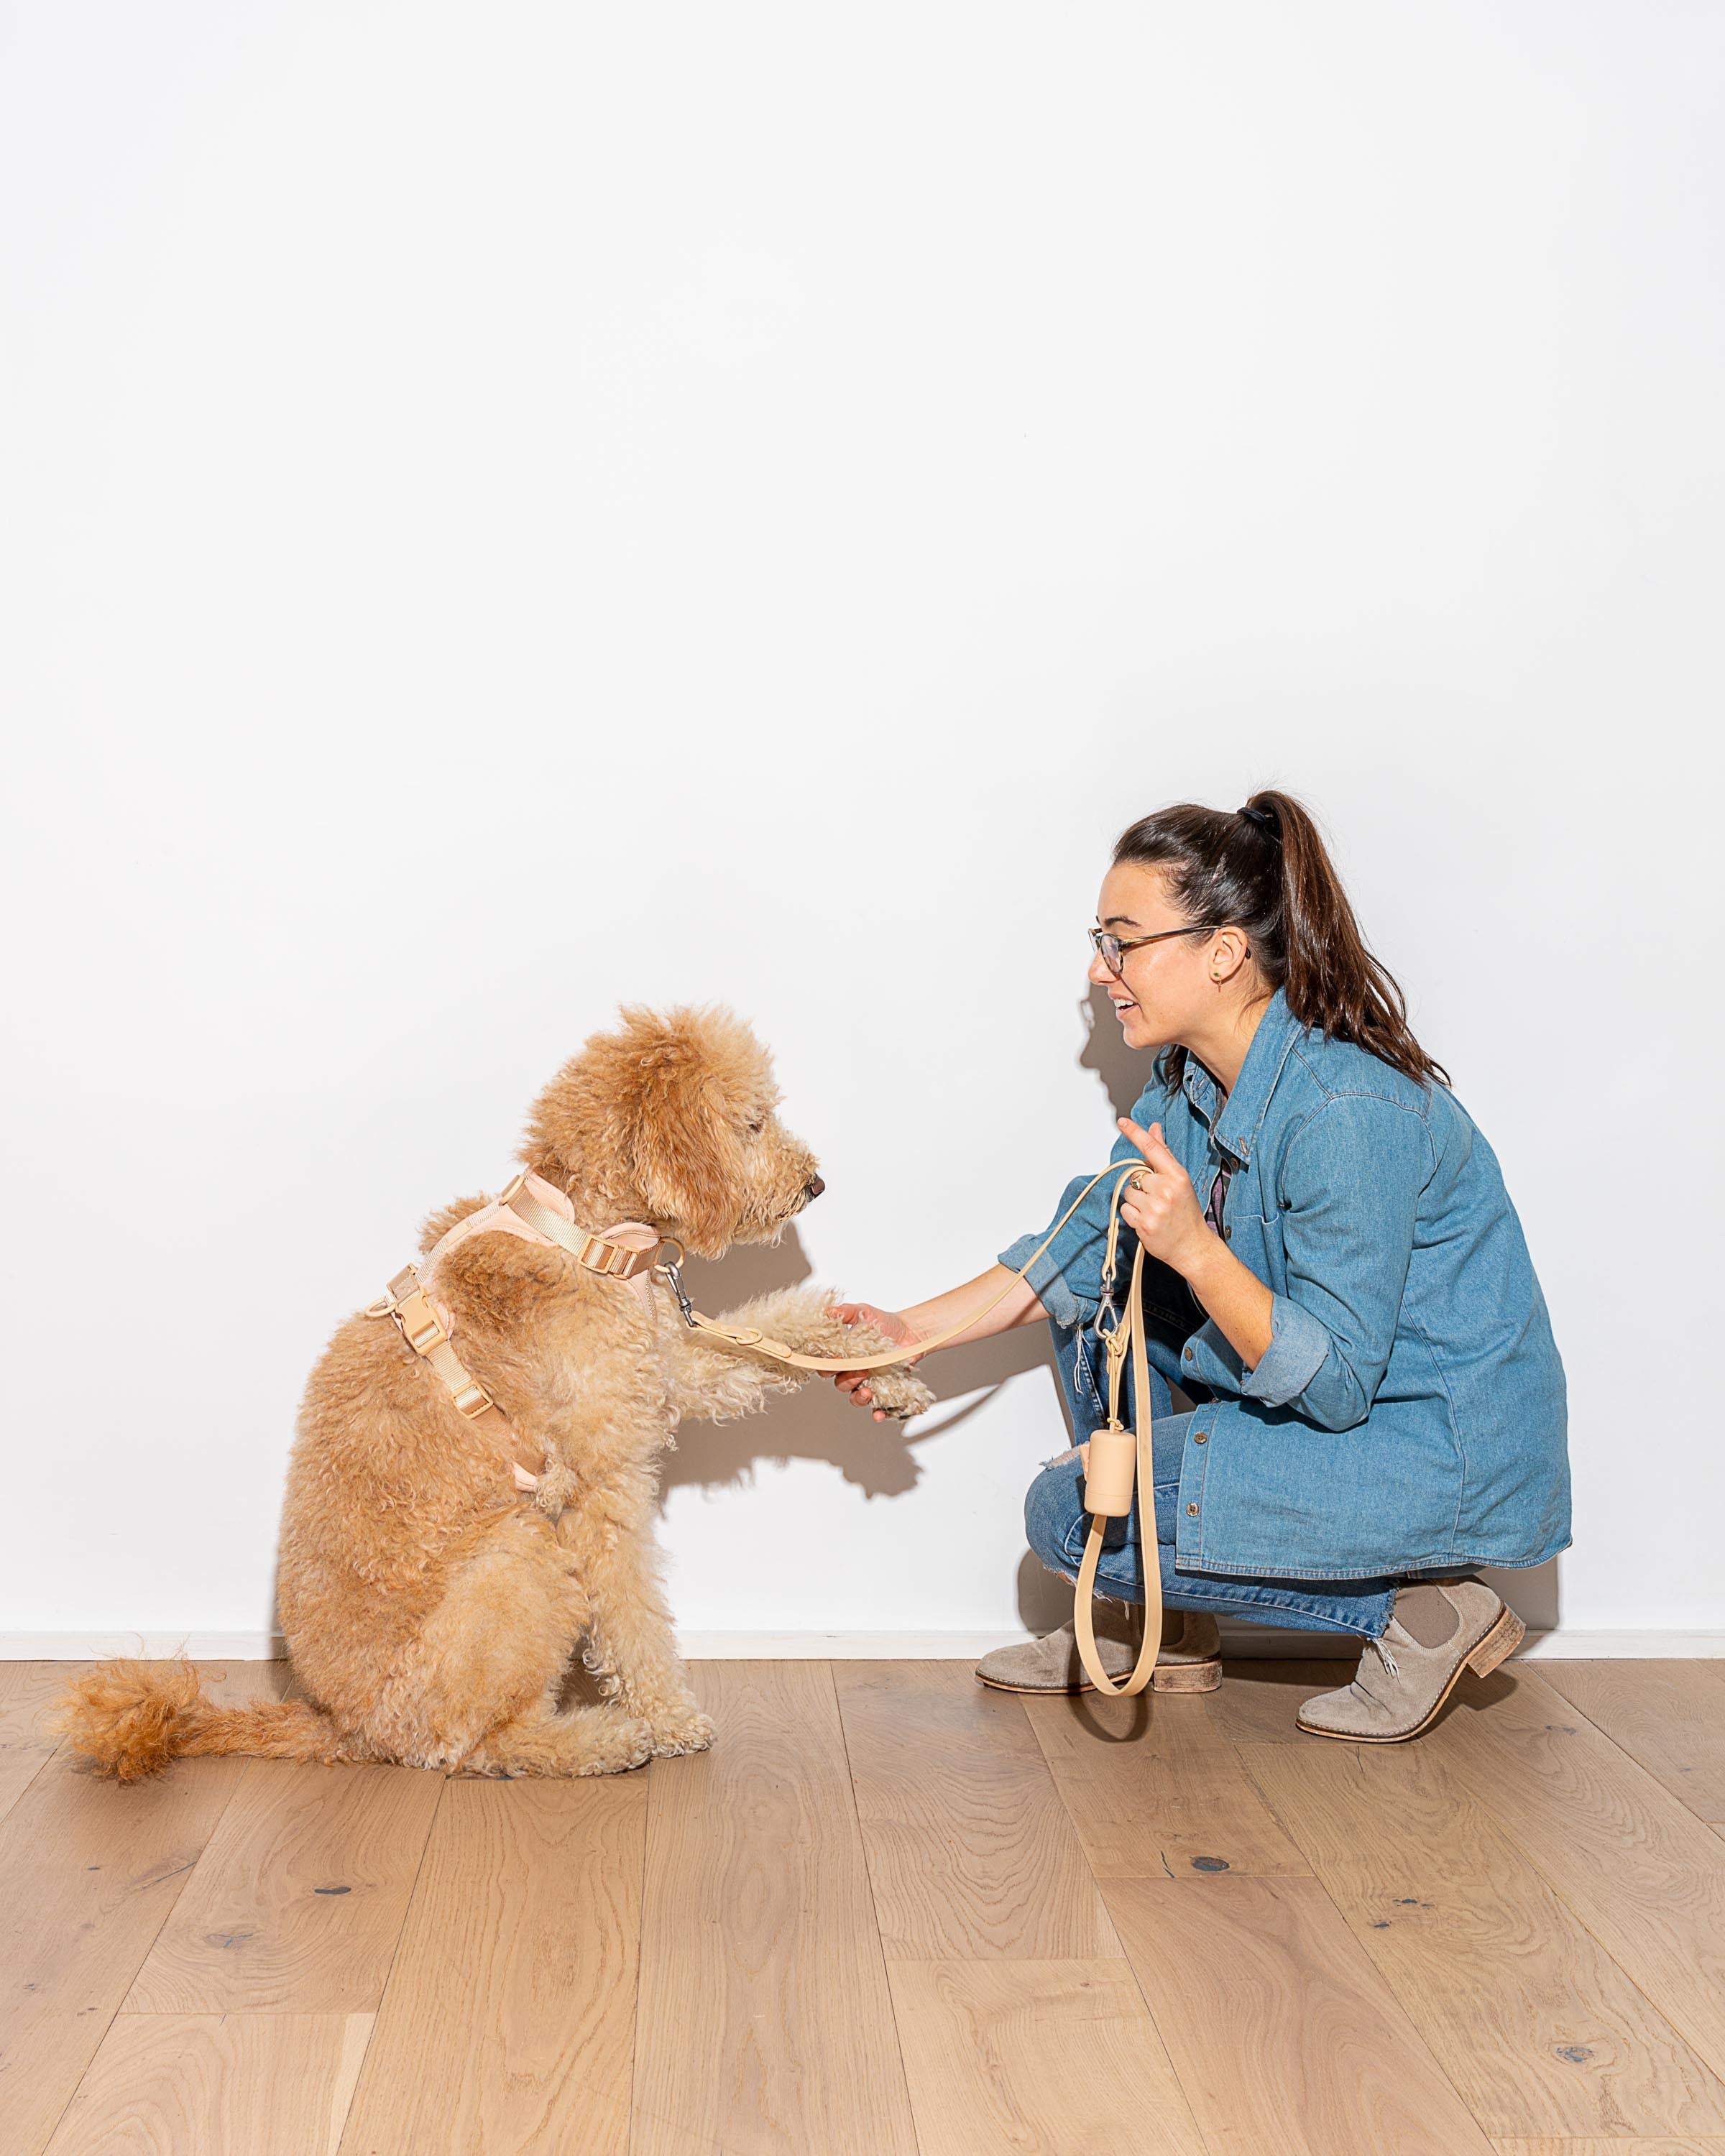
{"x": 669, "y": 1270}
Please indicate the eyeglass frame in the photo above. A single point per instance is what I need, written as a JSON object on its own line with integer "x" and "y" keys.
{"x": 1100, "y": 936}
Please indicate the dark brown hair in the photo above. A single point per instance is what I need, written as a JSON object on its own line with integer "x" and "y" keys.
{"x": 1265, "y": 869}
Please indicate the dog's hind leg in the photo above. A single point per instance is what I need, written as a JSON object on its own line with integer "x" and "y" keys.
{"x": 476, "y": 1688}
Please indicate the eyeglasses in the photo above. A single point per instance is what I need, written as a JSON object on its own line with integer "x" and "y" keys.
{"x": 1111, "y": 949}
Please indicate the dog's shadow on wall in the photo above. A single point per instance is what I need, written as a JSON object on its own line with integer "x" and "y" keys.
{"x": 817, "y": 1423}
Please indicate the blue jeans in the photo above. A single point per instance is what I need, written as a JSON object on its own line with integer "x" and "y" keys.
{"x": 1057, "y": 1525}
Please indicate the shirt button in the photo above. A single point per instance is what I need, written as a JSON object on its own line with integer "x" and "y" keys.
{"x": 1227, "y": 1234}
{"x": 1188, "y": 1354}
{"x": 1200, "y": 1437}
{"x": 1192, "y": 1512}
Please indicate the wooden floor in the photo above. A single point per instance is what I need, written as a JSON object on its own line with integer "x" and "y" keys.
{"x": 894, "y": 1914}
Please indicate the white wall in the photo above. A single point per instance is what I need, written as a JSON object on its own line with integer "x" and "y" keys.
{"x": 514, "y": 508}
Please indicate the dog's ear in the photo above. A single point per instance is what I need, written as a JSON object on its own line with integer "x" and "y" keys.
{"x": 685, "y": 1148}
{"x": 644, "y": 1119}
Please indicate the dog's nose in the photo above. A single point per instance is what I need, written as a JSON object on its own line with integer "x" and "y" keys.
{"x": 814, "y": 1186}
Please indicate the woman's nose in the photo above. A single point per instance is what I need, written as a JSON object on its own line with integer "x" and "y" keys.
{"x": 1099, "y": 972}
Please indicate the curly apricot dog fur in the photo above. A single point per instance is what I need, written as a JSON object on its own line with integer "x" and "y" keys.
{"x": 432, "y": 1612}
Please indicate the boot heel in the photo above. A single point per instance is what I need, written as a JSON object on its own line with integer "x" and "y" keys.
{"x": 1499, "y": 1643}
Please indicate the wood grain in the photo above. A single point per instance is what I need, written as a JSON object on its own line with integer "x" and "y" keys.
{"x": 1279, "y": 2026}
{"x": 28, "y": 1691}
{"x": 1644, "y": 1875}
{"x": 508, "y": 2023}
{"x": 1670, "y": 1717}
{"x": 297, "y": 1905}
{"x": 971, "y": 1853}
{"x": 217, "y": 2084}
{"x": 1057, "y": 2056}
{"x": 1532, "y": 2022}
{"x": 89, "y": 1872}
{"x": 1685, "y": 2148}
{"x": 1257, "y": 1701}
{"x": 1154, "y": 1792}
{"x": 765, "y": 2023}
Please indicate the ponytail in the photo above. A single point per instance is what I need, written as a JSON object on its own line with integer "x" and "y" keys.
{"x": 1265, "y": 869}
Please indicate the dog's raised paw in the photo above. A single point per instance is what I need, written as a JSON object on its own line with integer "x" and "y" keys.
{"x": 682, "y": 1733}
{"x": 899, "y": 1393}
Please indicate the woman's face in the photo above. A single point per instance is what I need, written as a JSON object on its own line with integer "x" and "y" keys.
{"x": 1163, "y": 992}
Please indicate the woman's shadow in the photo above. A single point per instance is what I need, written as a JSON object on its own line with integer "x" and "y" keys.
{"x": 880, "y": 1458}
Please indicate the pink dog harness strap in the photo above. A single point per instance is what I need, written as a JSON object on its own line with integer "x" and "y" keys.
{"x": 537, "y": 1212}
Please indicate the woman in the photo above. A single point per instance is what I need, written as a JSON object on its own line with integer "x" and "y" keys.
{"x": 1335, "y": 1277}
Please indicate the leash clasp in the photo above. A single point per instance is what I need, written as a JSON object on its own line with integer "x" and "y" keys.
{"x": 669, "y": 1270}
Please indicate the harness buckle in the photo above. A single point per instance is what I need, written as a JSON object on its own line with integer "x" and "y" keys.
{"x": 422, "y": 1328}
{"x": 473, "y": 1399}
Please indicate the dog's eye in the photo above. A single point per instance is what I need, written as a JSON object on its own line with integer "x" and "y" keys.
{"x": 758, "y": 1125}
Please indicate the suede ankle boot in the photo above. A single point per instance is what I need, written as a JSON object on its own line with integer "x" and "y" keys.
{"x": 1435, "y": 1632}
{"x": 1189, "y": 1661}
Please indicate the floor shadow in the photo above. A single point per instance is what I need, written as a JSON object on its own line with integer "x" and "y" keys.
{"x": 878, "y": 1458}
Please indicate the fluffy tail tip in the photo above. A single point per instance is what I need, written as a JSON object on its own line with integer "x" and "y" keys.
{"x": 126, "y": 1717}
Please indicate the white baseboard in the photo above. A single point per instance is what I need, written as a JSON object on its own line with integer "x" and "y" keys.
{"x": 1259, "y": 1641}
{"x": 141, "y": 1647}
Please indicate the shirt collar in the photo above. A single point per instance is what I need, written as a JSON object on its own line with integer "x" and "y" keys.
{"x": 1236, "y": 1130}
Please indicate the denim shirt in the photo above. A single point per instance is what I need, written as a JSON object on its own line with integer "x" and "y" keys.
{"x": 1409, "y": 1410}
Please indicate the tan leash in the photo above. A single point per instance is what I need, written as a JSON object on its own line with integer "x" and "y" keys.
{"x": 1119, "y": 1458}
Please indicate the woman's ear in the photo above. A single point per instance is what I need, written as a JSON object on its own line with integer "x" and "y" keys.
{"x": 1229, "y": 953}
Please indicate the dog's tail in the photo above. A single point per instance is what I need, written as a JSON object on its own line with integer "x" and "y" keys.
{"x": 129, "y": 1719}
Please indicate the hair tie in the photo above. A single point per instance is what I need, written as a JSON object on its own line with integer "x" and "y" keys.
{"x": 1264, "y": 820}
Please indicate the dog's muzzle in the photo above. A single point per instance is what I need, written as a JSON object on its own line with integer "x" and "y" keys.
{"x": 813, "y": 1188}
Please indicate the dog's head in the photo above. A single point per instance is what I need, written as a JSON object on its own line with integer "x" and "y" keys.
{"x": 672, "y": 1120}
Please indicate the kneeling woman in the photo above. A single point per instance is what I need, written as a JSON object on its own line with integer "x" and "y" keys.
{"x": 1334, "y": 1275}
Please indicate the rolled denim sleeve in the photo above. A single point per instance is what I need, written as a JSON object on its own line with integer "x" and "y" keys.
{"x": 1068, "y": 1276}
{"x": 1298, "y": 1346}
{"x": 1349, "y": 1198}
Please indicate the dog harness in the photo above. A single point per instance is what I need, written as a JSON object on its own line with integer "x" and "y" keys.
{"x": 537, "y": 1212}
{"x": 1119, "y": 1458}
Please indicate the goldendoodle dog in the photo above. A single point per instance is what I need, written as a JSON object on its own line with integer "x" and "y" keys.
{"x": 432, "y": 1608}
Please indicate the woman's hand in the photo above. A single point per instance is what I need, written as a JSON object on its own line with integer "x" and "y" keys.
{"x": 1161, "y": 1208}
{"x": 855, "y": 1383}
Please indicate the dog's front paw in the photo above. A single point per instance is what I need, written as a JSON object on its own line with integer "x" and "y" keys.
{"x": 899, "y": 1393}
{"x": 689, "y": 1730}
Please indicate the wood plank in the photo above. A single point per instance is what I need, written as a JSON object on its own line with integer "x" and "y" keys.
{"x": 1155, "y": 1792}
{"x": 1548, "y": 2147}
{"x": 1456, "y": 1915}
{"x": 971, "y": 1856}
{"x": 27, "y": 1693}
{"x": 1644, "y": 1875}
{"x": 1257, "y": 1701}
{"x": 508, "y": 2023}
{"x": 1057, "y": 2056}
{"x": 297, "y": 1904}
{"x": 765, "y": 2024}
{"x": 220, "y": 2085}
{"x": 89, "y": 1872}
{"x": 1279, "y": 2026}
{"x": 1668, "y": 1715}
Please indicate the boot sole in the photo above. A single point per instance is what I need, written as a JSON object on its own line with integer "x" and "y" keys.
{"x": 1169, "y": 1677}
{"x": 1499, "y": 1643}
